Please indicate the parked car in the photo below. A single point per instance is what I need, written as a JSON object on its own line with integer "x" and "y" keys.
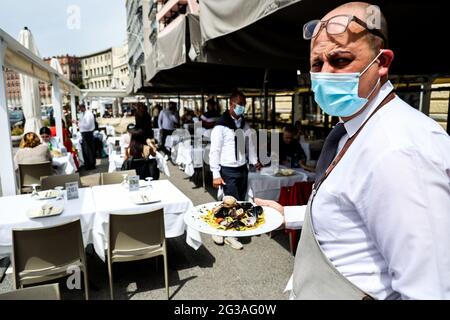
{"x": 16, "y": 117}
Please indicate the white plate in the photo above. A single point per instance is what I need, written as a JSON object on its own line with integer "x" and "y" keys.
{"x": 142, "y": 198}
{"x": 46, "y": 195}
{"x": 45, "y": 212}
{"x": 287, "y": 172}
{"x": 273, "y": 220}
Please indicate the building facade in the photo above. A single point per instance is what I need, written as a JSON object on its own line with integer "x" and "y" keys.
{"x": 71, "y": 67}
{"x": 169, "y": 10}
{"x": 121, "y": 75}
{"x": 135, "y": 32}
{"x": 97, "y": 70}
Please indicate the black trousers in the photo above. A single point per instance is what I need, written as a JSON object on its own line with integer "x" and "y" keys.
{"x": 236, "y": 180}
{"x": 88, "y": 147}
{"x": 164, "y": 134}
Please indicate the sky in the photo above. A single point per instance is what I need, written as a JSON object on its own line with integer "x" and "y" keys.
{"x": 75, "y": 27}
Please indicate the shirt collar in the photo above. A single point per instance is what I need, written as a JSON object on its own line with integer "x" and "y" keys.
{"x": 353, "y": 125}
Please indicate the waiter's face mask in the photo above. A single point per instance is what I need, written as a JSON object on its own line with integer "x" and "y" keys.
{"x": 337, "y": 93}
{"x": 239, "y": 110}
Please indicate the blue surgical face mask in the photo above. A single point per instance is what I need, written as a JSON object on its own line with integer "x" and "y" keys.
{"x": 337, "y": 93}
{"x": 239, "y": 110}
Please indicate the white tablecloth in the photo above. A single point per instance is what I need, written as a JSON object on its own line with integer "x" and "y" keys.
{"x": 111, "y": 144}
{"x": 93, "y": 209}
{"x": 116, "y": 199}
{"x": 14, "y": 216}
{"x": 269, "y": 187}
{"x": 188, "y": 157}
{"x": 64, "y": 164}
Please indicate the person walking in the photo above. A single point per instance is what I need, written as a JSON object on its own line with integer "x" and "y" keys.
{"x": 86, "y": 125}
{"x": 228, "y": 159}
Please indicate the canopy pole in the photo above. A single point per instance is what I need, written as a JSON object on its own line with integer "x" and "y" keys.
{"x": 426, "y": 96}
{"x": 56, "y": 101}
{"x": 266, "y": 99}
{"x": 73, "y": 110}
{"x": 203, "y": 102}
{"x": 7, "y": 172}
{"x": 448, "y": 116}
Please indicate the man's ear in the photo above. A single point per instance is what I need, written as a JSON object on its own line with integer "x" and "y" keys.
{"x": 385, "y": 59}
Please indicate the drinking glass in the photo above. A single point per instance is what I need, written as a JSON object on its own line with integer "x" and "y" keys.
{"x": 60, "y": 191}
{"x": 34, "y": 194}
{"x": 149, "y": 185}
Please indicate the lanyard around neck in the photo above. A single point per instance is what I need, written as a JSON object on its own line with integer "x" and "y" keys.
{"x": 350, "y": 141}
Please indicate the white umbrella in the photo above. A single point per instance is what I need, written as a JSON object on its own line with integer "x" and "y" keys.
{"x": 31, "y": 98}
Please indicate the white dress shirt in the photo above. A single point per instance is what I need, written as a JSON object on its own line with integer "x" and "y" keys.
{"x": 167, "y": 120}
{"x": 223, "y": 148}
{"x": 382, "y": 217}
{"x": 87, "y": 122}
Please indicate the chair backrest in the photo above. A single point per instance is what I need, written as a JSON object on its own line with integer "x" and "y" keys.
{"x": 144, "y": 168}
{"x": 48, "y": 183}
{"x": 46, "y": 247}
{"x": 127, "y": 231}
{"x": 32, "y": 173}
{"x": 91, "y": 180}
{"x": 115, "y": 177}
{"x": 45, "y": 292}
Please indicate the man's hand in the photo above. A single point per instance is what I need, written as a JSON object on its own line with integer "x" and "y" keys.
{"x": 218, "y": 182}
{"x": 270, "y": 204}
{"x": 258, "y": 166}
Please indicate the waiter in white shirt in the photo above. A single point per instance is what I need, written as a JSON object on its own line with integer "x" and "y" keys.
{"x": 86, "y": 125}
{"x": 377, "y": 224}
{"x": 228, "y": 157}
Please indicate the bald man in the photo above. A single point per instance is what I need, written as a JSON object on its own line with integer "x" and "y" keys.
{"x": 377, "y": 224}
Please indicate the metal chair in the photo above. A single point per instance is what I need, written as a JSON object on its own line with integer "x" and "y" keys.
{"x": 49, "y": 183}
{"x": 46, "y": 254}
{"x": 136, "y": 237}
{"x": 30, "y": 174}
{"x": 45, "y": 292}
{"x": 115, "y": 177}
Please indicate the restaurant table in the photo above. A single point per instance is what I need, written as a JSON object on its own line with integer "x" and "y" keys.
{"x": 117, "y": 199}
{"x": 14, "y": 215}
{"x": 268, "y": 186}
{"x": 111, "y": 144}
{"x": 64, "y": 164}
{"x": 93, "y": 208}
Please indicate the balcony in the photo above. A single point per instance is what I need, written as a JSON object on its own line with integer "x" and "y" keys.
{"x": 171, "y": 9}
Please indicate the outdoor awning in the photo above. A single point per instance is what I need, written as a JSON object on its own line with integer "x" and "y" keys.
{"x": 176, "y": 64}
{"x": 20, "y": 59}
{"x": 268, "y": 33}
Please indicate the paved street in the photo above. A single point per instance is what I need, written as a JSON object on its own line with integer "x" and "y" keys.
{"x": 260, "y": 271}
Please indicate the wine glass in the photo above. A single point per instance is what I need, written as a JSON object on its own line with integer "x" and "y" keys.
{"x": 125, "y": 179}
{"x": 34, "y": 194}
{"x": 59, "y": 190}
{"x": 149, "y": 185}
